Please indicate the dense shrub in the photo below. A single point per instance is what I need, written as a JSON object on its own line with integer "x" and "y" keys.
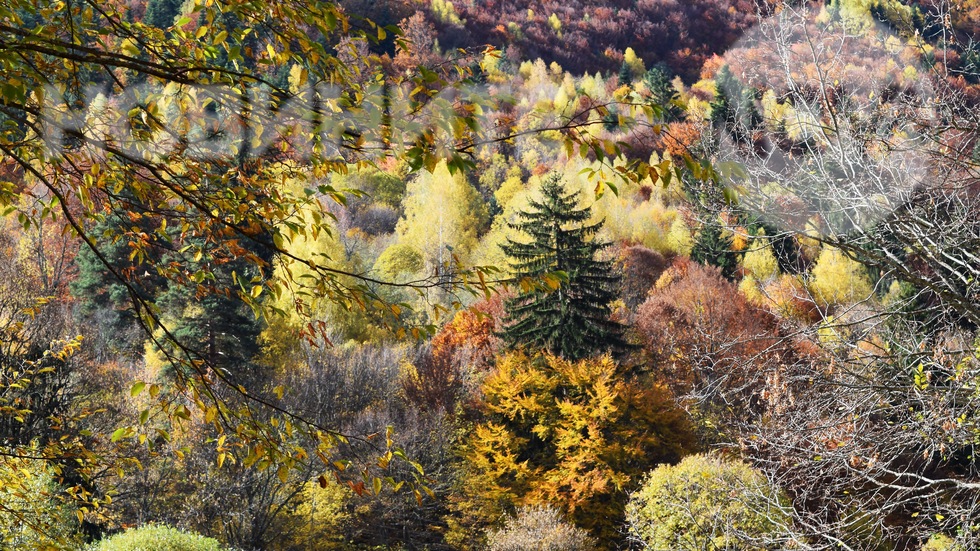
{"x": 942, "y": 542}
{"x": 569, "y": 434}
{"x": 641, "y": 268}
{"x": 157, "y": 537}
{"x": 708, "y": 343}
{"x": 706, "y": 502}
{"x": 838, "y": 279}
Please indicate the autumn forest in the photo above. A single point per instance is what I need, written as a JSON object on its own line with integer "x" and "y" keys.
{"x": 286, "y": 275}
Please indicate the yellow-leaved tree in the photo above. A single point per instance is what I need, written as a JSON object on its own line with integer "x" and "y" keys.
{"x": 576, "y": 435}
{"x": 444, "y": 214}
{"x": 177, "y": 156}
{"x": 838, "y": 279}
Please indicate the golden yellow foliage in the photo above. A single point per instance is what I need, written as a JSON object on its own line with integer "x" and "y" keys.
{"x": 760, "y": 262}
{"x": 838, "y": 279}
{"x": 442, "y": 212}
{"x": 571, "y": 434}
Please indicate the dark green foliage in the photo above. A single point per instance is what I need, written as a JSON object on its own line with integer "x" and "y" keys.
{"x": 712, "y": 248}
{"x": 784, "y": 246}
{"x": 215, "y": 328}
{"x": 625, "y": 74}
{"x": 733, "y": 110}
{"x": 662, "y": 91}
{"x": 106, "y": 304}
{"x": 573, "y": 320}
{"x": 162, "y": 13}
{"x": 971, "y": 62}
{"x": 611, "y": 121}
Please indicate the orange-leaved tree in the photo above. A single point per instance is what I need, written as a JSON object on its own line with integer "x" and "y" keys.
{"x": 576, "y": 435}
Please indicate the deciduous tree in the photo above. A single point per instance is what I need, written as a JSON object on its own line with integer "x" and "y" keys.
{"x": 575, "y": 434}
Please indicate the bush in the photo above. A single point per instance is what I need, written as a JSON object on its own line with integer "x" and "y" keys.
{"x": 942, "y": 542}
{"x": 400, "y": 259}
{"x": 706, "y": 502}
{"x": 155, "y": 537}
{"x": 539, "y": 529}
{"x": 315, "y": 521}
{"x": 704, "y": 340}
{"x": 570, "y": 434}
{"x": 34, "y": 511}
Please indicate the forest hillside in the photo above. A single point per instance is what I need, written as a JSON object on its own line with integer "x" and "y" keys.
{"x": 458, "y": 275}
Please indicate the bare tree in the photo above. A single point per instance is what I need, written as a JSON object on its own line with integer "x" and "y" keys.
{"x": 867, "y": 146}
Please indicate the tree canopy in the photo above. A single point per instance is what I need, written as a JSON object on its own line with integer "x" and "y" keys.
{"x": 572, "y": 318}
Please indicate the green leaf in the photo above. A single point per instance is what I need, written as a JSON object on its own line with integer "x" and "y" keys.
{"x": 118, "y": 434}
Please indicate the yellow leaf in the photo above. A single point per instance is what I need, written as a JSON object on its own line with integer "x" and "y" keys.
{"x": 129, "y": 47}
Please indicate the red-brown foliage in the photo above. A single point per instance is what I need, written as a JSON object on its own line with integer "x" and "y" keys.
{"x": 641, "y": 268}
{"x": 471, "y": 337}
{"x": 681, "y": 34}
{"x": 420, "y": 36}
{"x": 707, "y": 341}
{"x": 678, "y": 139}
{"x": 435, "y": 384}
{"x": 463, "y": 347}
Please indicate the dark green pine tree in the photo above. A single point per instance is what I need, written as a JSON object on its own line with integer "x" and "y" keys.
{"x": 105, "y": 304}
{"x": 572, "y": 321}
{"x": 162, "y": 13}
{"x": 217, "y": 327}
{"x": 734, "y": 110}
{"x": 625, "y": 74}
{"x": 662, "y": 92}
{"x": 712, "y": 248}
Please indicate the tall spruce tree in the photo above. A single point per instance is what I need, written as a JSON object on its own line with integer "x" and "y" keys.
{"x": 572, "y": 321}
{"x": 734, "y": 110}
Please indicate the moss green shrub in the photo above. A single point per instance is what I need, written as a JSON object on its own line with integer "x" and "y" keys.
{"x": 942, "y": 542}
{"x": 706, "y": 502}
{"x": 157, "y": 537}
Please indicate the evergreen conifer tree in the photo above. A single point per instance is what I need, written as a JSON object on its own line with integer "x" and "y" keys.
{"x": 734, "y": 110}
{"x": 625, "y": 74}
{"x": 713, "y": 248}
{"x": 573, "y": 320}
{"x": 162, "y": 13}
{"x": 105, "y": 304}
{"x": 662, "y": 92}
